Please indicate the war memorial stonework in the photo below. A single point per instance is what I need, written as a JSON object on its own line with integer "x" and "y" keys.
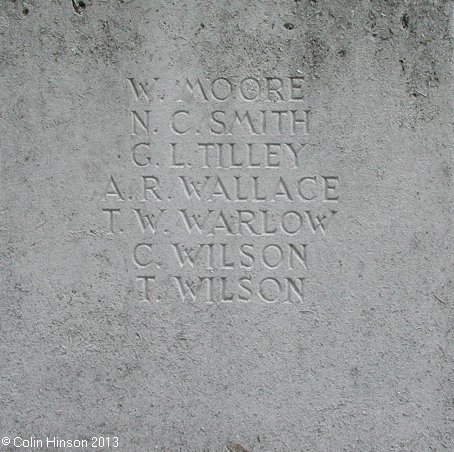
{"x": 227, "y": 226}
{"x": 225, "y": 210}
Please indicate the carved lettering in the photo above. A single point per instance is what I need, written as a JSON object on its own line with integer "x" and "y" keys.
{"x": 224, "y": 204}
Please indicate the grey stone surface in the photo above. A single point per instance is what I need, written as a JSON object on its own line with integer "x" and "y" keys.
{"x": 341, "y": 343}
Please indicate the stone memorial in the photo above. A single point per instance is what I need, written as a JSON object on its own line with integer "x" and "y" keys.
{"x": 227, "y": 226}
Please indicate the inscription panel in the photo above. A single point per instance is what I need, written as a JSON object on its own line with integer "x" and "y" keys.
{"x": 226, "y": 225}
{"x": 221, "y": 206}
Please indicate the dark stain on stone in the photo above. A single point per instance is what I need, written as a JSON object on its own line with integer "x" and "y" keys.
{"x": 405, "y": 20}
{"x": 25, "y": 11}
{"x": 78, "y": 6}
